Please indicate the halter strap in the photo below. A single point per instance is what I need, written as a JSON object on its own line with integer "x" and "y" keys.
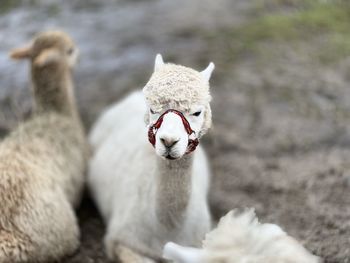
{"x": 152, "y": 131}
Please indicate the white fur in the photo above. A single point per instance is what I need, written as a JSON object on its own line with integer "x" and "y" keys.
{"x": 240, "y": 238}
{"x": 130, "y": 107}
{"x": 139, "y": 193}
{"x": 181, "y": 254}
{"x": 172, "y": 130}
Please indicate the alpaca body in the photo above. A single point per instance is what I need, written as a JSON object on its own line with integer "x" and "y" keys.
{"x": 126, "y": 179}
{"x": 42, "y": 162}
{"x": 40, "y": 184}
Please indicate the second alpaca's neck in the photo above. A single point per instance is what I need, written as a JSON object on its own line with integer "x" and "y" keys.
{"x": 53, "y": 89}
{"x": 173, "y": 189}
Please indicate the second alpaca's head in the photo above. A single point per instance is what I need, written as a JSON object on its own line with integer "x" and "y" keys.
{"x": 175, "y": 87}
{"x": 48, "y": 48}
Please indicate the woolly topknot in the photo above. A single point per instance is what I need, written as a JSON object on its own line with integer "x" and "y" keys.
{"x": 178, "y": 87}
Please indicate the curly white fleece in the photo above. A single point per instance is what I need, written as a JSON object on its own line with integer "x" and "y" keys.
{"x": 240, "y": 238}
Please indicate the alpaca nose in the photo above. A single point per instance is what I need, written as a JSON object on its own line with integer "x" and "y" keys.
{"x": 169, "y": 142}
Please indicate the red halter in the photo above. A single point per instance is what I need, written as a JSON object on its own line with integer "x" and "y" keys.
{"x": 152, "y": 131}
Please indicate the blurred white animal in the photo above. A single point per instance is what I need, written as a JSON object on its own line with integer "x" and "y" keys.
{"x": 240, "y": 238}
{"x": 148, "y": 196}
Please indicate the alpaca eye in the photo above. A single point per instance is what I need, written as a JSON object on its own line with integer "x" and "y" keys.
{"x": 197, "y": 113}
{"x": 151, "y": 111}
{"x": 70, "y": 51}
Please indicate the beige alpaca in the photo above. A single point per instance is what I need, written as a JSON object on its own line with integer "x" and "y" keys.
{"x": 42, "y": 162}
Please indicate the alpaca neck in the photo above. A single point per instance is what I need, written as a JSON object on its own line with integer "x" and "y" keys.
{"x": 53, "y": 89}
{"x": 173, "y": 189}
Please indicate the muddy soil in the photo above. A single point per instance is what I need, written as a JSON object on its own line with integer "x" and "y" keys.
{"x": 281, "y": 135}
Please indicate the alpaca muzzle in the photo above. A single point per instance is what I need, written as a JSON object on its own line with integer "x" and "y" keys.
{"x": 192, "y": 139}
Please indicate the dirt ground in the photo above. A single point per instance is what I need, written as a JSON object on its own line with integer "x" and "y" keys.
{"x": 281, "y": 136}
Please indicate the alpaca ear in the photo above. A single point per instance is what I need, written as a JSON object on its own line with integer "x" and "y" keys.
{"x": 181, "y": 254}
{"x": 21, "y": 53}
{"x": 207, "y": 72}
{"x": 158, "y": 63}
{"x": 46, "y": 57}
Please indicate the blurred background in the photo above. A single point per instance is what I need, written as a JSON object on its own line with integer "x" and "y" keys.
{"x": 281, "y": 97}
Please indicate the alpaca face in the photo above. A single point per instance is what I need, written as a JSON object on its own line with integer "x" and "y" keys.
{"x": 172, "y": 139}
{"x": 58, "y": 47}
{"x": 186, "y": 91}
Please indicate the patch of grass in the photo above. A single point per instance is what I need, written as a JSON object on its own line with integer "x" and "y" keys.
{"x": 317, "y": 18}
{"x": 331, "y": 17}
{"x": 272, "y": 5}
{"x": 7, "y": 5}
{"x": 336, "y": 46}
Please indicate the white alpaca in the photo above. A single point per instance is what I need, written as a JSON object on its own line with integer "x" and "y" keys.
{"x": 240, "y": 238}
{"x": 149, "y": 196}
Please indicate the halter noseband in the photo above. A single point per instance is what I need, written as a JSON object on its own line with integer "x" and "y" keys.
{"x": 152, "y": 131}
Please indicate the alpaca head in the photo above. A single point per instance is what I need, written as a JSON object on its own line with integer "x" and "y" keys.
{"x": 178, "y": 104}
{"x": 49, "y": 48}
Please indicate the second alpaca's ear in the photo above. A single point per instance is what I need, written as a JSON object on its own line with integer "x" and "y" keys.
{"x": 46, "y": 57}
{"x": 21, "y": 53}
